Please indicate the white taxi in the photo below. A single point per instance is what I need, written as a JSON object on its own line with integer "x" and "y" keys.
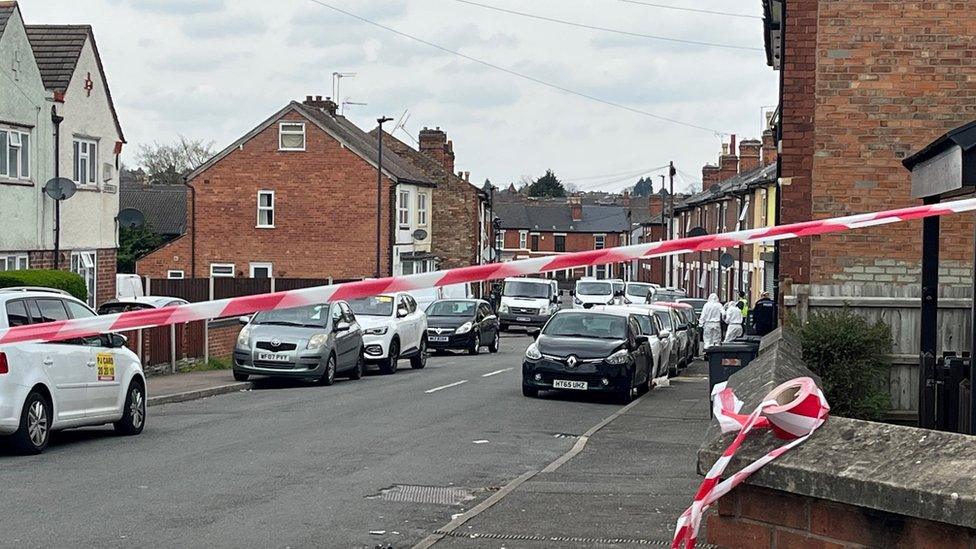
{"x": 47, "y": 387}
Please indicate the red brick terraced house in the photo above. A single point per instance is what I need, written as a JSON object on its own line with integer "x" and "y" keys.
{"x": 532, "y": 229}
{"x": 296, "y": 197}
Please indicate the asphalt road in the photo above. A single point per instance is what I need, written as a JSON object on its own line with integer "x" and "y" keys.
{"x": 291, "y": 464}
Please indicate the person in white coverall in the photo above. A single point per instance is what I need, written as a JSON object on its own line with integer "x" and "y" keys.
{"x": 733, "y": 317}
{"x": 711, "y": 321}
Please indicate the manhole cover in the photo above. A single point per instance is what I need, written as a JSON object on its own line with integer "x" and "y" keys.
{"x": 439, "y": 495}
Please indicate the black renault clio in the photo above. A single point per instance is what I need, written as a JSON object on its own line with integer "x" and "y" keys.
{"x": 462, "y": 324}
{"x": 598, "y": 351}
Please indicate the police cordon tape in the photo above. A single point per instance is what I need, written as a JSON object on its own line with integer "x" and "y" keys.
{"x": 793, "y": 411}
{"x": 132, "y": 320}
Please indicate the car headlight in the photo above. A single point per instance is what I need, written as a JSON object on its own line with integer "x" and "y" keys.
{"x": 503, "y": 308}
{"x": 532, "y": 353}
{"x": 577, "y": 301}
{"x": 464, "y": 328}
{"x": 244, "y": 337}
{"x": 377, "y": 331}
{"x": 317, "y": 341}
{"x": 610, "y": 302}
{"x": 544, "y": 311}
{"x": 620, "y": 357}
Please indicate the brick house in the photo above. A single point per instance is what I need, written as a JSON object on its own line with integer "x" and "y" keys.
{"x": 541, "y": 228}
{"x": 296, "y": 197}
{"x": 54, "y": 72}
{"x": 458, "y": 231}
{"x": 863, "y": 85}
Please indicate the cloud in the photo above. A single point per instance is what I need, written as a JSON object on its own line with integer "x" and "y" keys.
{"x": 226, "y": 25}
{"x": 173, "y": 7}
{"x": 483, "y": 94}
{"x": 317, "y": 25}
{"x": 199, "y": 61}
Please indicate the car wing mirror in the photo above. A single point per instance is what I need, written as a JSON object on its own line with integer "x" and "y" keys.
{"x": 245, "y": 319}
{"x": 342, "y": 326}
{"x": 402, "y": 312}
{"x": 664, "y": 334}
{"x": 641, "y": 339}
{"x": 115, "y": 341}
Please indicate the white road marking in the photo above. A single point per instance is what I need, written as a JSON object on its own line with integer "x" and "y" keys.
{"x": 448, "y": 386}
{"x": 489, "y": 374}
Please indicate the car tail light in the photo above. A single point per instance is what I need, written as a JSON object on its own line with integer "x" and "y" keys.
{"x": 3, "y": 363}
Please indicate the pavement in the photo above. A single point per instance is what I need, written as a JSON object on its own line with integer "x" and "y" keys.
{"x": 167, "y": 389}
{"x": 383, "y": 461}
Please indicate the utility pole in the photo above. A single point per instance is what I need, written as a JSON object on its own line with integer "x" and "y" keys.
{"x": 667, "y": 234}
{"x": 671, "y": 172}
{"x": 379, "y": 190}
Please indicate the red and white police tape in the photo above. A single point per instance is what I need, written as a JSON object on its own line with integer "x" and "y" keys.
{"x": 793, "y": 411}
{"x": 53, "y": 331}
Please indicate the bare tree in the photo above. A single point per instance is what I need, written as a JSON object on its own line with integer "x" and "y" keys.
{"x": 167, "y": 163}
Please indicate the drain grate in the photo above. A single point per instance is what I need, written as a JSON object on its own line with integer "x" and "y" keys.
{"x": 565, "y": 435}
{"x": 439, "y": 495}
{"x": 565, "y": 539}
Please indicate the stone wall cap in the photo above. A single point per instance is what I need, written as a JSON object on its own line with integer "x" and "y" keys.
{"x": 904, "y": 470}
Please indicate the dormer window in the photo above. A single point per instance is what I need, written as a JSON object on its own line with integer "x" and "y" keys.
{"x": 291, "y": 136}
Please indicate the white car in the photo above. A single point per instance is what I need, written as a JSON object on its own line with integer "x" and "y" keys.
{"x": 47, "y": 387}
{"x": 590, "y": 292}
{"x": 637, "y": 292}
{"x": 394, "y": 327}
{"x": 660, "y": 346}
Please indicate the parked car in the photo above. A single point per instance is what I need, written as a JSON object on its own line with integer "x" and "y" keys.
{"x": 462, "y": 324}
{"x": 424, "y": 297}
{"x": 690, "y": 320}
{"x": 528, "y": 302}
{"x": 47, "y": 387}
{"x": 679, "y": 349}
{"x": 649, "y": 328}
{"x": 590, "y": 292}
{"x": 393, "y": 328}
{"x": 637, "y": 292}
{"x": 593, "y": 351}
{"x": 666, "y": 295}
{"x": 696, "y": 304}
{"x": 317, "y": 342}
{"x": 139, "y": 303}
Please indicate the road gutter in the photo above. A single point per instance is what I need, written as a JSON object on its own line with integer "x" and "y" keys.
{"x": 450, "y": 527}
{"x": 198, "y": 393}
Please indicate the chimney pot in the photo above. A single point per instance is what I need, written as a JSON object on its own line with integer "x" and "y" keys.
{"x": 326, "y": 105}
{"x": 308, "y": 98}
{"x": 318, "y": 97}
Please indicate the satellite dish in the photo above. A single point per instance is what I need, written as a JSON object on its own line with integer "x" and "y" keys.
{"x": 697, "y": 231}
{"x": 420, "y": 234}
{"x": 726, "y": 260}
{"x": 60, "y": 188}
{"x": 131, "y": 218}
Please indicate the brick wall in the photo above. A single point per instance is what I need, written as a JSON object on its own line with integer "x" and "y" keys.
{"x": 223, "y": 337}
{"x": 866, "y": 84}
{"x": 325, "y": 212}
{"x": 106, "y": 269}
{"x": 754, "y": 518}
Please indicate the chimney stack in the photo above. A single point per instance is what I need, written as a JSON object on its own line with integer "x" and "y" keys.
{"x": 728, "y": 163}
{"x": 626, "y": 199}
{"x": 710, "y": 175}
{"x": 655, "y": 204}
{"x": 326, "y": 105}
{"x": 575, "y": 206}
{"x": 434, "y": 144}
{"x": 749, "y": 155}
{"x": 768, "y": 148}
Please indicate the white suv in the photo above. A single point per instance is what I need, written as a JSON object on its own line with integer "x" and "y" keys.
{"x": 47, "y": 387}
{"x": 393, "y": 328}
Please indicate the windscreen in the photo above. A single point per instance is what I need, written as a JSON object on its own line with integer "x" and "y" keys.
{"x": 377, "y": 305}
{"x": 452, "y": 308}
{"x": 309, "y": 316}
{"x": 534, "y": 290}
{"x": 665, "y": 318}
{"x": 618, "y": 287}
{"x": 594, "y": 288}
{"x": 593, "y": 325}
{"x": 636, "y": 289}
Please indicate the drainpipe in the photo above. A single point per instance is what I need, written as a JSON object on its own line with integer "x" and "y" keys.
{"x": 193, "y": 227}
{"x": 57, "y": 174}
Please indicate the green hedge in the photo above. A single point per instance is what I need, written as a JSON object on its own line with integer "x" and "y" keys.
{"x": 61, "y": 280}
{"x": 851, "y": 356}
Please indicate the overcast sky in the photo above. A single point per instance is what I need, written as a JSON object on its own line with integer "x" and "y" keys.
{"x": 213, "y": 69}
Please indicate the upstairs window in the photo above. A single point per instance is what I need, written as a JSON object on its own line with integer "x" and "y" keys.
{"x": 523, "y": 235}
{"x": 14, "y": 154}
{"x": 291, "y": 136}
{"x": 403, "y": 209}
{"x": 499, "y": 240}
{"x": 266, "y": 217}
{"x": 535, "y": 243}
{"x": 560, "y": 243}
{"x": 221, "y": 270}
{"x": 86, "y": 161}
{"x": 422, "y": 209}
{"x": 599, "y": 242}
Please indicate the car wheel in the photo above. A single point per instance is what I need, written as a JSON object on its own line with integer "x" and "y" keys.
{"x": 35, "y": 425}
{"x": 328, "y": 376}
{"x": 672, "y": 371}
{"x": 241, "y": 377}
{"x": 389, "y": 366}
{"x": 357, "y": 371}
{"x": 503, "y": 327}
{"x": 134, "y": 411}
{"x": 475, "y": 345}
{"x": 496, "y": 343}
{"x": 530, "y": 392}
{"x": 420, "y": 360}
{"x": 625, "y": 396}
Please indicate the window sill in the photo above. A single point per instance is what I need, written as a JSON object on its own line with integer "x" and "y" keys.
{"x": 20, "y": 182}
{"x": 290, "y": 150}
{"x": 264, "y": 226}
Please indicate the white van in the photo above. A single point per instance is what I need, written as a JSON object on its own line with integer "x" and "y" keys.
{"x": 590, "y": 291}
{"x": 528, "y": 302}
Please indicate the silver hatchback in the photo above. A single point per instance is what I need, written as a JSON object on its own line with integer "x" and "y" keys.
{"x": 316, "y": 342}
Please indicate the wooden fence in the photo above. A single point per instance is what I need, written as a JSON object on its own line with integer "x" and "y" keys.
{"x": 900, "y": 308}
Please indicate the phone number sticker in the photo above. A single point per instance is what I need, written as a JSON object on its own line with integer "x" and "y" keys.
{"x": 106, "y": 367}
